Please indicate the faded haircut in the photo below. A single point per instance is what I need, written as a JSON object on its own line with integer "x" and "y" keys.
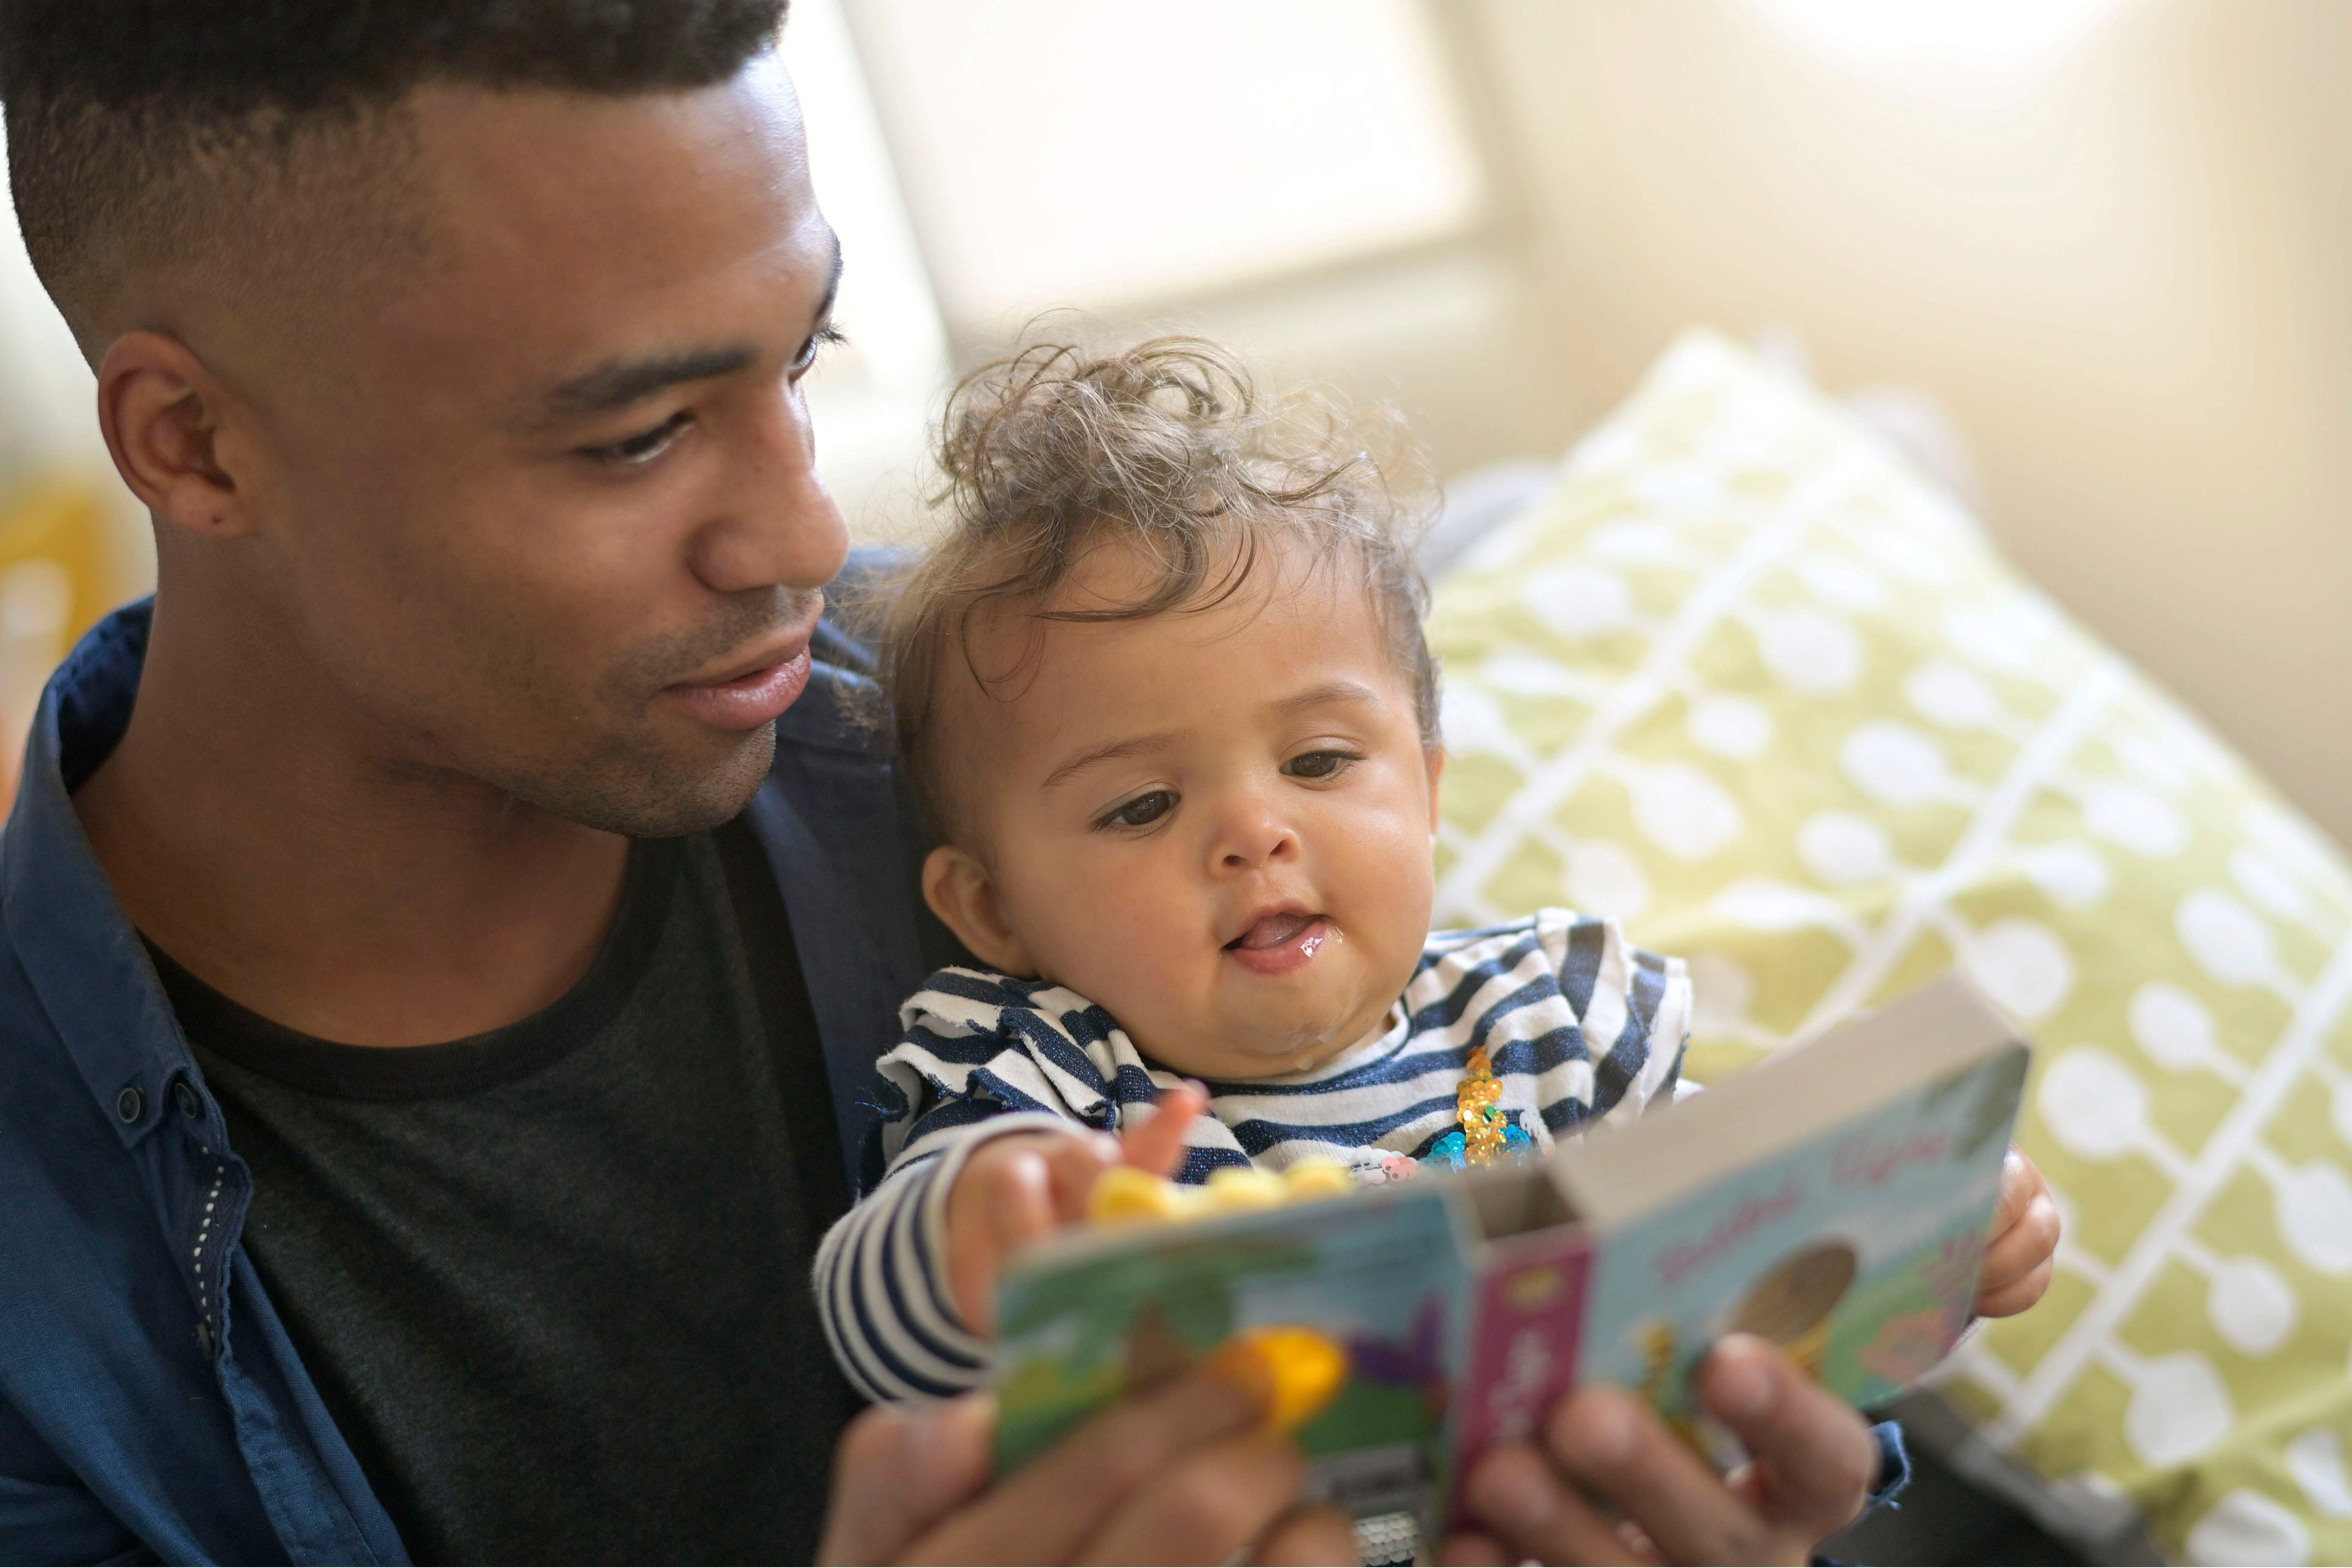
{"x": 152, "y": 133}
{"x": 1167, "y": 449}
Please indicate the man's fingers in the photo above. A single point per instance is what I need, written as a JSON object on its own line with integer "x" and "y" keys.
{"x": 1814, "y": 1459}
{"x": 1207, "y": 1506}
{"x": 1308, "y": 1535}
{"x": 901, "y": 1469}
{"x": 1475, "y": 1549}
{"x": 1158, "y": 1143}
{"x": 1530, "y": 1511}
{"x": 1048, "y": 1512}
{"x": 1616, "y": 1447}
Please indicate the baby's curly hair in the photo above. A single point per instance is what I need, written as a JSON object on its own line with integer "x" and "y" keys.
{"x": 1168, "y": 449}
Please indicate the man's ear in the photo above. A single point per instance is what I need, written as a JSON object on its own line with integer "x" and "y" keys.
{"x": 162, "y": 412}
{"x": 1434, "y": 758}
{"x": 963, "y": 894}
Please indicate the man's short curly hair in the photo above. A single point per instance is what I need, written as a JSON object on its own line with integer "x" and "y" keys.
{"x": 1168, "y": 450}
{"x": 124, "y": 115}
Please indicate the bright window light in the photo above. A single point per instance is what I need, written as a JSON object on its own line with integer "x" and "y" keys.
{"x": 868, "y": 397}
{"x": 1978, "y": 39}
{"x": 1091, "y": 152}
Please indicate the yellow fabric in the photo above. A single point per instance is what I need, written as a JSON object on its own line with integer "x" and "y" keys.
{"x": 1747, "y": 682}
{"x": 57, "y": 577}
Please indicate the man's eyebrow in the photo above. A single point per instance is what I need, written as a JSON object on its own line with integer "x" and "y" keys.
{"x": 1128, "y": 747}
{"x": 832, "y": 287}
{"x": 617, "y": 383}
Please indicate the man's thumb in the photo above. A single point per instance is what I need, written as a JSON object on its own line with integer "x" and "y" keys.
{"x": 901, "y": 1469}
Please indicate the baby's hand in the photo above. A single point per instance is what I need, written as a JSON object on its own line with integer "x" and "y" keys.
{"x": 1025, "y": 1186}
{"x": 2024, "y": 1247}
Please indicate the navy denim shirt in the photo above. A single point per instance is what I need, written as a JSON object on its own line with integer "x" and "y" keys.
{"x": 151, "y": 1406}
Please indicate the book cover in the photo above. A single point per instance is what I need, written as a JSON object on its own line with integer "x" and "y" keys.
{"x": 1834, "y": 1202}
{"x": 1856, "y": 1252}
{"x": 1384, "y": 1273}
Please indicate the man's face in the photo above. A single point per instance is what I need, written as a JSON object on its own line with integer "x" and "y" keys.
{"x": 547, "y": 518}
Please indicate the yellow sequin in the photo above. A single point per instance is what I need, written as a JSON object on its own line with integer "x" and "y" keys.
{"x": 1485, "y": 1125}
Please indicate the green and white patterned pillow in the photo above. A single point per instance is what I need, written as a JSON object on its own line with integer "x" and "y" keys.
{"x": 1749, "y": 683}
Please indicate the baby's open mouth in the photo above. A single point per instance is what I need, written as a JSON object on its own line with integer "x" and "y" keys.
{"x": 1278, "y": 945}
{"x": 1271, "y": 930}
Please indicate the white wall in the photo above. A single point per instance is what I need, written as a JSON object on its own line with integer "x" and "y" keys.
{"x": 2126, "y": 277}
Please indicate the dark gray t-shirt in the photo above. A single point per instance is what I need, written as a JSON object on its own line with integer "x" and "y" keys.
{"x": 553, "y": 1281}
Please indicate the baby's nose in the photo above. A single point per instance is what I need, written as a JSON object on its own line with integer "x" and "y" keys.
{"x": 1256, "y": 841}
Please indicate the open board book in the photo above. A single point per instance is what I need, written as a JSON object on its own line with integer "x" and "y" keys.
{"x": 1833, "y": 1200}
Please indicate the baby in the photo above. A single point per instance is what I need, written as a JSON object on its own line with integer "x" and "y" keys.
{"x": 1163, "y": 697}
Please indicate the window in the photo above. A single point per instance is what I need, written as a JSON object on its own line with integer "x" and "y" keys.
{"x": 1091, "y": 154}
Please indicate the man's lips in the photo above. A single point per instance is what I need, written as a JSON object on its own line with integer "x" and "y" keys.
{"x": 753, "y": 693}
{"x": 1281, "y": 941}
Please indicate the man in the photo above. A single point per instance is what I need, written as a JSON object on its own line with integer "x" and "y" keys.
{"x": 447, "y": 931}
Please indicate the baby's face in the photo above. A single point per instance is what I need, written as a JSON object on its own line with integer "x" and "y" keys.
{"x": 1217, "y": 823}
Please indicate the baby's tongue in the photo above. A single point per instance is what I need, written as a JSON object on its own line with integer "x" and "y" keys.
{"x": 1273, "y": 930}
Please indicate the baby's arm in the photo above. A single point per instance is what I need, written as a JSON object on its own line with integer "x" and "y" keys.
{"x": 906, "y": 1281}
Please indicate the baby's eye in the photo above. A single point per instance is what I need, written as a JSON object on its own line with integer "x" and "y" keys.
{"x": 1319, "y": 765}
{"x": 1142, "y": 811}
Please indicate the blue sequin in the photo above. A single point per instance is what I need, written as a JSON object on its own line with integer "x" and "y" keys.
{"x": 1446, "y": 1152}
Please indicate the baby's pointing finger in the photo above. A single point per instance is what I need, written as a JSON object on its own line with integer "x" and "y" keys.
{"x": 1158, "y": 1143}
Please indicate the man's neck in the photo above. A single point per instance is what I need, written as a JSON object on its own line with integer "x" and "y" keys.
{"x": 310, "y": 877}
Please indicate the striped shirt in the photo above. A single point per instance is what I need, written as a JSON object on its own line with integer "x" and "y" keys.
{"x": 1579, "y": 1026}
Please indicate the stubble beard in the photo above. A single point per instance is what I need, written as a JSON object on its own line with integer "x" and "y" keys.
{"x": 627, "y": 781}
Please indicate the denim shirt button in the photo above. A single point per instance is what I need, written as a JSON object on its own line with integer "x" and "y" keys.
{"x": 130, "y": 1103}
{"x": 184, "y": 1095}
{"x": 204, "y": 1337}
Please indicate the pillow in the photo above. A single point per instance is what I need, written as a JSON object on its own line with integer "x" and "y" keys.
{"x": 1745, "y": 682}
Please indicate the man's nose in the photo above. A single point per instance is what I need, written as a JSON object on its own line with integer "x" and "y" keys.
{"x": 776, "y": 523}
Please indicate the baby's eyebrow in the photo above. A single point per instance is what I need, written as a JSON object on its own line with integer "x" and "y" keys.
{"x": 1330, "y": 692}
{"x": 1110, "y": 754}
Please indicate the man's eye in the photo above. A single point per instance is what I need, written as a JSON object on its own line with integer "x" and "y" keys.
{"x": 813, "y": 349}
{"x": 644, "y": 448}
{"x": 1142, "y": 811}
{"x": 1319, "y": 765}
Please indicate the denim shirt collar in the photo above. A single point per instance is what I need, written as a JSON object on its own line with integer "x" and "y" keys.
{"x": 69, "y": 931}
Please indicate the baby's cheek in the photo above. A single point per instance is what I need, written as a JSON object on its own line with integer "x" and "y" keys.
{"x": 1387, "y": 887}
{"x": 1127, "y": 944}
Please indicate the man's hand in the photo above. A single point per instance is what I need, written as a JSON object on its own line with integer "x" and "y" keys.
{"x": 1187, "y": 1474}
{"x": 1815, "y": 1463}
{"x": 2023, "y": 1250}
{"x": 1021, "y": 1188}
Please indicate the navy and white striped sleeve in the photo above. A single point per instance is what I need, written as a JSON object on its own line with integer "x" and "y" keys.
{"x": 882, "y": 1288}
{"x": 1643, "y": 1066}
{"x": 1633, "y": 1009}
